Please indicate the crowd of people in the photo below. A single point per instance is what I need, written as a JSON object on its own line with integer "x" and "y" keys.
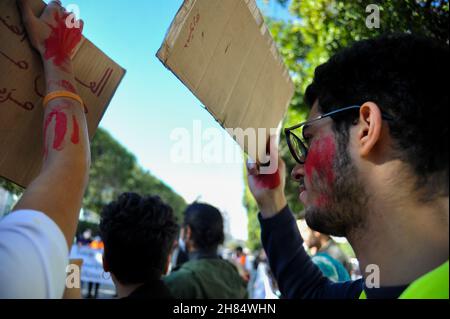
{"x": 372, "y": 165}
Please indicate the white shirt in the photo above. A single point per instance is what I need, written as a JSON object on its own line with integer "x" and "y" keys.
{"x": 33, "y": 256}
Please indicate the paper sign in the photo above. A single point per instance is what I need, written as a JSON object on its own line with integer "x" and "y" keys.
{"x": 92, "y": 268}
{"x": 22, "y": 88}
{"x": 223, "y": 52}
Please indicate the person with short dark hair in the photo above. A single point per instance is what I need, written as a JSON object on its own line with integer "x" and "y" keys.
{"x": 372, "y": 166}
{"x": 138, "y": 234}
{"x": 206, "y": 275}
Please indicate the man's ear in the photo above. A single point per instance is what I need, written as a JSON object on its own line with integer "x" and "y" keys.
{"x": 105, "y": 264}
{"x": 370, "y": 123}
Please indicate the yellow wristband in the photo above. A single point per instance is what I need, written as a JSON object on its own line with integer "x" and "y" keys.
{"x": 61, "y": 94}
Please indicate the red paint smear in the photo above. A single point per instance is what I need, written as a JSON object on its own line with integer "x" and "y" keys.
{"x": 68, "y": 86}
{"x": 322, "y": 201}
{"x": 62, "y": 40}
{"x": 76, "y": 131}
{"x": 60, "y": 129}
{"x": 268, "y": 181}
{"x": 320, "y": 159}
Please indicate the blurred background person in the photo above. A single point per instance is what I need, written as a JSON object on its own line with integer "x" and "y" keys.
{"x": 179, "y": 255}
{"x": 85, "y": 238}
{"x": 326, "y": 254}
{"x": 264, "y": 285}
{"x": 241, "y": 262}
{"x": 206, "y": 275}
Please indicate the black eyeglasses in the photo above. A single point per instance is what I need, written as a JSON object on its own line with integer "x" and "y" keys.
{"x": 299, "y": 146}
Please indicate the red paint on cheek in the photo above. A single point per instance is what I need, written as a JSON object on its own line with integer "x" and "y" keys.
{"x": 268, "y": 181}
{"x": 62, "y": 40}
{"x": 76, "y": 131}
{"x": 322, "y": 200}
{"x": 320, "y": 159}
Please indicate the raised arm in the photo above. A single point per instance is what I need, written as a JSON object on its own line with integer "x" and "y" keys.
{"x": 58, "y": 190}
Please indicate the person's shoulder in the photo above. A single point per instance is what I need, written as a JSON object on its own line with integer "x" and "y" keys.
{"x": 182, "y": 282}
{"x": 181, "y": 273}
{"x": 23, "y": 215}
{"x": 32, "y": 243}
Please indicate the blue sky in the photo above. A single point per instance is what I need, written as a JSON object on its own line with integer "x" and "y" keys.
{"x": 151, "y": 102}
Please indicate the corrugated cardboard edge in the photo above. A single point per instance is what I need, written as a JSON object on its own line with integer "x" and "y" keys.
{"x": 176, "y": 26}
{"x": 174, "y": 30}
{"x": 124, "y": 71}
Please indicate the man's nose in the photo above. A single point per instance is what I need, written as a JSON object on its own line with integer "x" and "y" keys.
{"x": 298, "y": 172}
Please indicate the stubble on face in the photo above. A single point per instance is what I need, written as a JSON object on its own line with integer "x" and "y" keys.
{"x": 340, "y": 202}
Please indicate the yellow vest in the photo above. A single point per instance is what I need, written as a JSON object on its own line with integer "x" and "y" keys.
{"x": 432, "y": 285}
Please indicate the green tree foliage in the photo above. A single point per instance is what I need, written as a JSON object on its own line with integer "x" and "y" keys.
{"x": 318, "y": 29}
{"x": 114, "y": 170}
{"x": 11, "y": 187}
{"x": 254, "y": 231}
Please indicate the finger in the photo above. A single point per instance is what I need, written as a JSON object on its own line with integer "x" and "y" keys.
{"x": 28, "y": 16}
{"x": 81, "y": 23}
{"x": 252, "y": 167}
{"x": 54, "y": 7}
{"x": 56, "y": 3}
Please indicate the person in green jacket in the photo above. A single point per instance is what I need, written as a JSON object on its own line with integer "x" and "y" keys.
{"x": 206, "y": 275}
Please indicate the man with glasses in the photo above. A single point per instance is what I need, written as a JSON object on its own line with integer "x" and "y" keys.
{"x": 372, "y": 165}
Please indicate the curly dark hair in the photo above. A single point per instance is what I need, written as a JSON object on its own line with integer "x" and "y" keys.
{"x": 407, "y": 77}
{"x": 206, "y": 223}
{"x": 139, "y": 233}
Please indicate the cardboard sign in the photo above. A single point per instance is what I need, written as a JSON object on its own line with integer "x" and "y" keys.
{"x": 22, "y": 88}
{"x": 223, "y": 52}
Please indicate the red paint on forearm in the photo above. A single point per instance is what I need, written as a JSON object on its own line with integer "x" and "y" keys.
{"x": 68, "y": 86}
{"x": 63, "y": 84}
{"x": 62, "y": 40}
{"x": 268, "y": 181}
{"x": 60, "y": 129}
{"x": 76, "y": 131}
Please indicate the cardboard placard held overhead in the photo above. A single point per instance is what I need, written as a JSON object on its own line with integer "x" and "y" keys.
{"x": 223, "y": 52}
{"x": 22, "y": 88}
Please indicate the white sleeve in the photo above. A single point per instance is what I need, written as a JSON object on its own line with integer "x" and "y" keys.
{"x": 33, "y": 256}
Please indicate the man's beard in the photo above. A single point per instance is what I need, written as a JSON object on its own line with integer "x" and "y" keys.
{"x": 345, "y": 209}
